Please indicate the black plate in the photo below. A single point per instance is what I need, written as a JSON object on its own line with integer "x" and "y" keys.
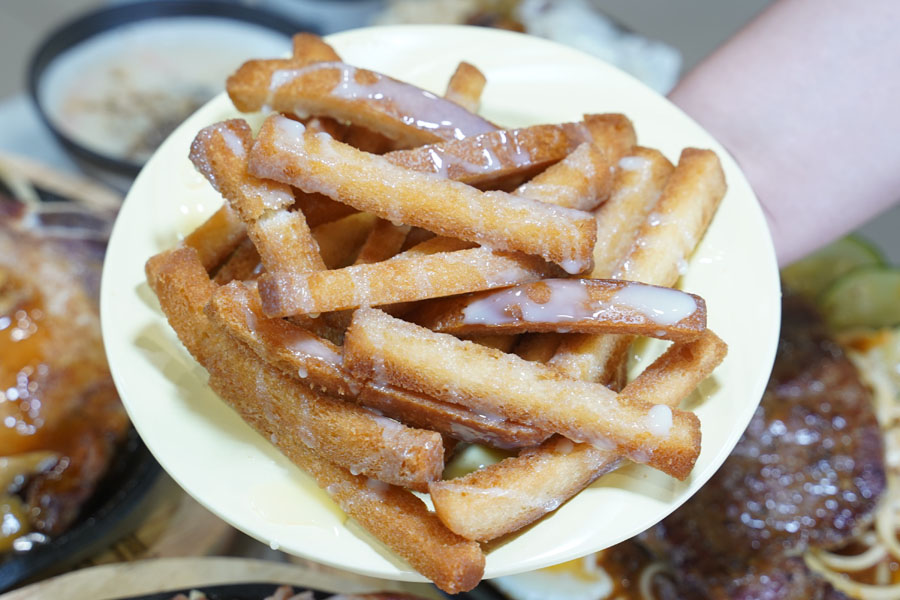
{"x": 105, "y": 19}
{"x": 259, "y": 591}
{"x": 234, "y": 591}
{"x": 482, "y": 591}
{"x": 116, "y": 507}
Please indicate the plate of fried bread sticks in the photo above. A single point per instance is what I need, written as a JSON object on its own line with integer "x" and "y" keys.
{"x": 400, "y": 244}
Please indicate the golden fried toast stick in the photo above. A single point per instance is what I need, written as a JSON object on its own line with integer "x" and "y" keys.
{"x": 430, "y": 245}
{"x": 570, "y": 305}
{"x": 384, "y": 242}
{"x": 581, "y": 180}
{"x": 613, "y": 133}
{"x": 669, "y": 379}
{"x": 300, "y": 353}
{"x": 352, "y": 95}
{"x": 281, "y": 237}
{"x": 346, "y": 434}
{"x": 319, "y": 209}
{"x": 285, "y": 243}
{"x": 219, "y": 152}
{"x": 393, "y": 515}
{"x": 284, "y": 151}
{"x": 398, "y": 519}
{"x": 400, "y": 279}
{"x": 436, "y": 244}
{"x": 217, "y": 237}
{"x": 402, "y": 522}
{"x": 297, "y": 351}
{"x": 243, "y": 264}
{"x": 504, "y": 497}
{"x": 307, "y": 50}
{"x": 503, "y": 343}
{"x": 452, "y": 420}
{"x": 465, "y": 86}
{"x": 666, "y": 239}
{"x": 482, "y": 159}
{"x": 340, "y": 240}
{"x": 310, "y": 48}
{"x": 501, "y": 498}
{"x": 679, "y": 220}
{"x": 255, "y": 75}
{"x": 638, "y": 181}
{"x": 385, "y": 349}
{"x": 485, "y": 159}
{"x": 677, "y": 371}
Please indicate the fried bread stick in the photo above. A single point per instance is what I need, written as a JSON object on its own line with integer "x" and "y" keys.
{"x": 581, "y": 180}
{"x": 638, "y": 182}
{"x": 281, "y": 236}
{"x": 217, "y": 237}
{"x": 318, "y": 362}
{"x": 285, "y": 152}
{"x": 384, "y": 349}
{"x": 352, "y": 95}
{"x": 400, "y": 279}
{"x": 507, "y": 496}
{"x": 360, "y": 440}
{"x": 486, "y": 159}
{"x": 571, "y": 305}
{"x": 670, "y": 232}
{"x": 465, "y": 86}
{"x": 668, "y": 380}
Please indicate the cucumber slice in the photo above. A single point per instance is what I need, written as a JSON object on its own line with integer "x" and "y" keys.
{"x": 865, "y": 297}
{"x": 812, "y": 275}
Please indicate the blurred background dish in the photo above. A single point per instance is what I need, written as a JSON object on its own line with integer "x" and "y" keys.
{"x": 116, "y": 507}
{"x": 73, "y": 473}
{"x": 112, "y": 84}
{"x": 576, "y": 23}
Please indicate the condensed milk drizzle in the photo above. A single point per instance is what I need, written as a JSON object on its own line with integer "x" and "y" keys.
{"x": 445, "y": 118}
{"x": 566, "y": 300}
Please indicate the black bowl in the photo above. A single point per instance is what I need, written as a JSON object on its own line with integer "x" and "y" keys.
{"x": 116, "y": 507}
{"x": 109, "y": 18}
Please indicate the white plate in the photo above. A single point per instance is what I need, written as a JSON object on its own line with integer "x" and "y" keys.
{"x": 236, "y": 474}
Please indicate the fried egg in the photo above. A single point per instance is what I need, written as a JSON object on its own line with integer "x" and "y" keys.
{"x": 580, "y": 579}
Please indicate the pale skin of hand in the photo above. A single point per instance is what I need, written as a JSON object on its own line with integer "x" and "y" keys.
{"x": 807, "y": 99}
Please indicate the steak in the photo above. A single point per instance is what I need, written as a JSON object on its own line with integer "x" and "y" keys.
{"x": 808, "y": 471}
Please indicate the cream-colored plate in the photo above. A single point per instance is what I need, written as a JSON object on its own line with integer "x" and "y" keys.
{"x": 239, "y": 476}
